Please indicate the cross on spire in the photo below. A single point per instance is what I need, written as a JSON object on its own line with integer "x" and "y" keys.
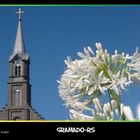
{"x": 19, "y": 47}
{"x": 20, "y": 12}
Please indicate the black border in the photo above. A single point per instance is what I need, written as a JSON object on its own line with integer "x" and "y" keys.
{"x": 50, "y": 129}
{"x": 111, "y": 130}
{"x": 66, "y": 2}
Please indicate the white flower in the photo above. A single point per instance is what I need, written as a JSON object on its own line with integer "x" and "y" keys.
{"x": 134, "y": 66}
{"x": 99, "y": 46}
{"x": 79, "y": 116}
{"x": 107, "y": 107}
{"x": 105, "y": 57}
{"x": 115, "y": 57}
{"x": 96, "y": 101}
{"x": 121, "y": 108}
{"x": 136, "y": 56}
{"x": 90, "y": 50}
{"x": 87, "y": 53}
{"x": 128, "y": 113}
{"x": 112, "y": 115}
{"x": 127, "y": 57}
{"x": 138, "y": 111}
{"x": 68, "y": 61}
{"x": 80, "y": 106}
{"x": 117, "y": 82}
{"x": 86, "y": 80}
{"x": 113, "y": 104}
{"x": 117, "y": 111}
{"x": 97, "y": 84}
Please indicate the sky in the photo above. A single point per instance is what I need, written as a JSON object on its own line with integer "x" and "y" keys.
{"x": 51, "y": 33}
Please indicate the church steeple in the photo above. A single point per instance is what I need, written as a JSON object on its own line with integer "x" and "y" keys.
{"x": 19, "y": 46}
{"x": 19, "y": 87}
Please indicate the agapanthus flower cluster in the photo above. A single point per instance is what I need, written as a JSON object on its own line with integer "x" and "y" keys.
{"x": 98, "y": 74}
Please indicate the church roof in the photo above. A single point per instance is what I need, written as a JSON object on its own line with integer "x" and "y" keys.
{"x": 19, "y": 46}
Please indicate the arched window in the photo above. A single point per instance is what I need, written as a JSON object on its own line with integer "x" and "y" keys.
{"x": 17, "y": 97}
{"x": 17, "y": 118}
{"x": 18, "y": 70}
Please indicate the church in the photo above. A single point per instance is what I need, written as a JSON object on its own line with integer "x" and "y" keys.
{"x": 19, "y": 87}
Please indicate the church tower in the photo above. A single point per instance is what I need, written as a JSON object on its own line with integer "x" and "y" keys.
{"x": 19, "y": 87}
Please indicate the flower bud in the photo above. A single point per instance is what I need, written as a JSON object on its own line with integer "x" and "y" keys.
{"x": 116, "y": 52}
{"x": 122, "y": 108}
{"x": 90, "y": 50}
{"x": 123, "y": 54}
{"x": 112, "y": 115}
{"x": 138, "y": 111}
{"x": 117, "y": 111}
{"x": 105, "y": 51}
{"x": 97, "y": 108}
{"x": 113, "y": 104}
{"x": 99, "y": 46}
{"x": 128, "y": 113}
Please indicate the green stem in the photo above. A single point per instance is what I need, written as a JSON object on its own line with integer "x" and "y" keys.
{"x": 95, "y": 94}
{"x": 110, "y": 99}
{"x": 118, "y": 100}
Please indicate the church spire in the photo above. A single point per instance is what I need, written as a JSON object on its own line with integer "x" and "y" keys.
{"x": 19, "y": 46}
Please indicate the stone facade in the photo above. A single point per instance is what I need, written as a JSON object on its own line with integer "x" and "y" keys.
{"x": 19, "y": 87}
{"x": 16, "y": 113}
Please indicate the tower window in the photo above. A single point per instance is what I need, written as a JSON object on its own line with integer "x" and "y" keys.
{"x": 17, "y": 98}
{"x": 18, "y": 70}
